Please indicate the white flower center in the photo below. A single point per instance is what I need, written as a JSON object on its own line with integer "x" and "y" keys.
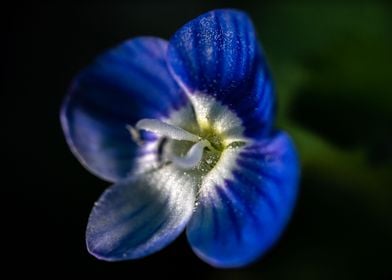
{"x": 194, "y": 137}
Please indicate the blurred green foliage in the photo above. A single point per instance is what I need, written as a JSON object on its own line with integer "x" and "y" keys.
{"x": 332, "y": 68}
{"x": 335, "y": 59}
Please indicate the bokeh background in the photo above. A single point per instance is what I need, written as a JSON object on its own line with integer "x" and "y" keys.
{"x": 332, "y": 65}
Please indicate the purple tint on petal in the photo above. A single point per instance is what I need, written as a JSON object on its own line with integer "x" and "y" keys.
{"x": 243, "y": 217}
{"x": 122, "y": 86}
{"x": 140, "y": 215}
{"x": 218, "y": 54}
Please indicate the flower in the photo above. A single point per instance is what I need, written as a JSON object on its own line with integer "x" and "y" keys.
{"x": 184, "y": 130}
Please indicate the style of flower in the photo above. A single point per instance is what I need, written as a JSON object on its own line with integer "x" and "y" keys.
{"x": 184, "y": 130}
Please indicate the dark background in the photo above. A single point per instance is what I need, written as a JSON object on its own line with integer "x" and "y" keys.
{"x": 332, "y": 66}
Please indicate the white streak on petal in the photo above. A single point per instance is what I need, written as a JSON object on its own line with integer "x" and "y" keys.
{"x": 147, "y": 159}
{"x": 221, "y": 172}
{"x": 141, "y": 215}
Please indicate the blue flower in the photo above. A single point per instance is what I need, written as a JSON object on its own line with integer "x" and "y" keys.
{"x": 184, "y": 130}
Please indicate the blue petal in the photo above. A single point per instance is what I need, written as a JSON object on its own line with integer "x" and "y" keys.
{"x": 141, "y": 215}
{"x": 218, "y": 54}
{"x": 239, "y": 219}
{"x": 124, "y": 85}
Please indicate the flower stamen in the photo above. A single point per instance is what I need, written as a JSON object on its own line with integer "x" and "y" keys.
{"x": 134, "y": 134}
{"x": 193, "y": 156}
{"x": 166, "y": 130}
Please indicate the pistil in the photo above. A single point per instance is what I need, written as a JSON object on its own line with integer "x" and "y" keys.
{"x": 171, "y": 132}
